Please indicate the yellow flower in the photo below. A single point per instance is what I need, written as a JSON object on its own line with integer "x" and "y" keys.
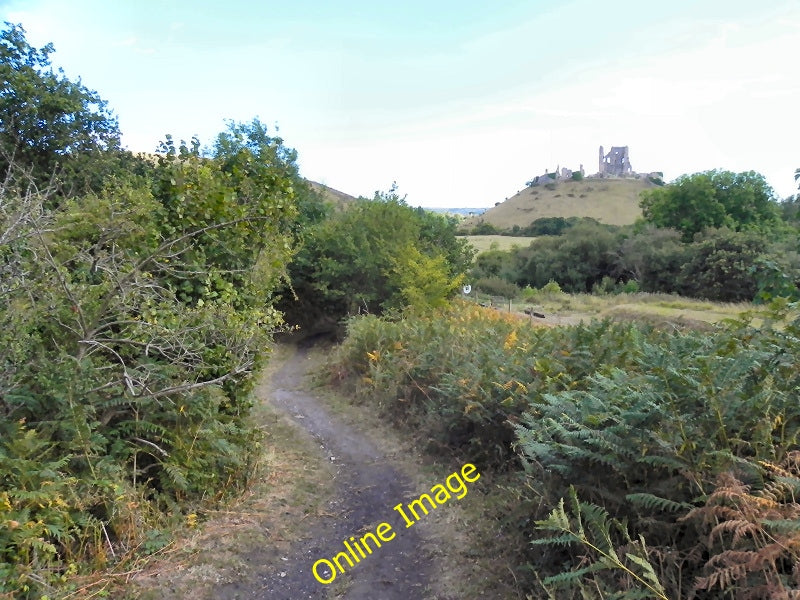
{"x": 375, "y": 356}
{"x": 510, "y": 340}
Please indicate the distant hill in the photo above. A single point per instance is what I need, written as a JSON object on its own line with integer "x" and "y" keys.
{"x": 337, "y": 198}
{"x": 610, "y": 201}
{"x": 340, "y": 200}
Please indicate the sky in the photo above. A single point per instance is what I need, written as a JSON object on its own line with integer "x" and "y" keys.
{"x": 458, "y": 101}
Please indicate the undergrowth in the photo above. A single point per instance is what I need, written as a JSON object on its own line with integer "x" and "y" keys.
{"x": 677, "y": 448}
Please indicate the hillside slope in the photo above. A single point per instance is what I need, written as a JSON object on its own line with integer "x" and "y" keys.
{"x": 611, "y": 201}
{"x": 337, "y": 198}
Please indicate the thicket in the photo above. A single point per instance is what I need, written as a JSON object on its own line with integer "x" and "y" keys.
{"x": 650, "y": 463}
{"x": 376, "y": 255}
{"x": 136, "y": 301}
{"x": 131, "y": 322}
{"x": 718, "y": 264}
{"x": 715, "y": 235}
{"x": 540, "y": 226}
{"x": 712, "y": 200}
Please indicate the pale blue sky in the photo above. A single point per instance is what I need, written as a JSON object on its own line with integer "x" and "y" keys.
{"x": 459, "y": 101}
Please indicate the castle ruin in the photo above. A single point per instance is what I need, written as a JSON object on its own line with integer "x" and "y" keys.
{"x": 616, "y": 163}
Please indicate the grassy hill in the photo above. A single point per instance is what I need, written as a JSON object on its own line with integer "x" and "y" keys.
{"x": 337, "y": 198}
{"x": 611, "y": 201}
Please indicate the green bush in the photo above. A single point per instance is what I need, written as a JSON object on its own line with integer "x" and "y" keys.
{"x": 721, "y": 265}
{"x": 377, "y": 255}
{"x": 551, "y": 288}
{"x": 631, "y": 287}
{"x": 485, "y": 229}
{"x": 577, "y": 260}
{"x": 131, "y": 322}
{"x": 495, "y": 286}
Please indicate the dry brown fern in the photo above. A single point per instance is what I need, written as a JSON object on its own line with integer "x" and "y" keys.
{"x": 753, "y": 537}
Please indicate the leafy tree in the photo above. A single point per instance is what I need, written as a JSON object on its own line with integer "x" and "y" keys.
{"x": 131, "y": 322}
{"x": 484, "y": 228}
{"x": 424, "y": 281}
{"x": 364, "y": 259}
{"x": 494, "y": 263}
{"x": 547, "y": 226}
{"x": 722, "y": 266}
{"x": 577, "y": 260}
{"x": 51, "y": 127}
{"x": 242, "y": 198}
{"x": 712, "y": 199}
{"x": 653, "y": 258}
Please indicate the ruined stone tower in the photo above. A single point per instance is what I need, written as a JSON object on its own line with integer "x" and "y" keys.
{"x": 616, "y": 163}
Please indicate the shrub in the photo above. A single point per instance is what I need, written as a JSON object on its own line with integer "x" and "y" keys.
{"x": 495, "y": 286}
{"x": 484, "y": 228}
{"x": 721, "y": 265}
{"x": 653, "y": 258}
{"x": 126, "y": 383}
{"x": 577, "y": 260}
{"x": 547, "y": 226}
{"x": 631, "y": 287}
{"x": 551, "y": 288}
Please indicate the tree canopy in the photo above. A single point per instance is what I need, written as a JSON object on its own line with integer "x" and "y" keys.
{"x": 712, "y": 199}
{"x": 375, "y": 255}
{"x": 48, "y": 123}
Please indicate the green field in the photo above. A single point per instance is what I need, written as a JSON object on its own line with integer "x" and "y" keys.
{"x": 610, "y": 201}
{"x": 482, "y": 243}
{"x": 568, "y": 309}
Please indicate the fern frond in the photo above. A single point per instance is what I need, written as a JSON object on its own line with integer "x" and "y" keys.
{"x": 652, "y": 502}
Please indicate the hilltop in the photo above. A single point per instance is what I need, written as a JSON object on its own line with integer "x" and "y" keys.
{"x": 612, "y": 201}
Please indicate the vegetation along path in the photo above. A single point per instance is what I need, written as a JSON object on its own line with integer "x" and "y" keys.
{"x": 354, "y": 482}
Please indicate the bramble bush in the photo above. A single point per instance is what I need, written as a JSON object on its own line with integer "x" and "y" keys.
{"x": 678, "y": 447}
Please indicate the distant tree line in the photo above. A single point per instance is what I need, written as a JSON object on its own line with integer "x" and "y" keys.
{"x": 715, "y": 235}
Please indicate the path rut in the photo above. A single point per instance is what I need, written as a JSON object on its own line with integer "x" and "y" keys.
{"x": 367, "y": 487}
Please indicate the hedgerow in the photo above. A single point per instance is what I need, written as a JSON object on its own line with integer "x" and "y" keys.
{"x": 131, "y": 323}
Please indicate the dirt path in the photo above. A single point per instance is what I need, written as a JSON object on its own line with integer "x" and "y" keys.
{"x": 367, "y": 487}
